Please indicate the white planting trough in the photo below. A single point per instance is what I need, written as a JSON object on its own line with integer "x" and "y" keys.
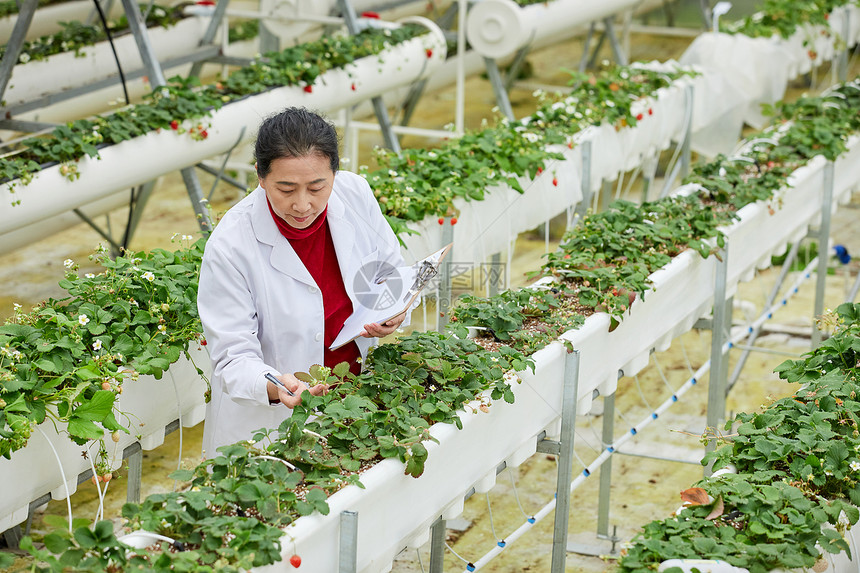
{"x": 148, "y": 406}
{"x": 144, "y": 158}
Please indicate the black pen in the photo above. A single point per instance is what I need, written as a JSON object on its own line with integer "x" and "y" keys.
{"x": 271, "y": 378}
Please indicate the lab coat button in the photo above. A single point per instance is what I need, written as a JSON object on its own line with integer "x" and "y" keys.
{"x": 312, "y": 290}
{"x": 318, "y": 337}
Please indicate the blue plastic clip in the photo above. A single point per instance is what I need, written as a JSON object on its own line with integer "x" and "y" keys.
{"x": 586, "y": 473}
{"x": 531, "y": 520}
{"x": 501, "y": 544}
{"x": 654, "y": 415}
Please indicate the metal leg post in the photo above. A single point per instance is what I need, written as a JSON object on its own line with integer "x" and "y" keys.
{"x": 499, "y": 88}
{"x": 348, "y": 542}
{"x": 565, "y": 461}
{"x": 606, "y": 469}
{"x": 823, "y": 249}
{"x": 388, "y": 134}
{"x": 716, "y": 384}
{"x": 444, "y": 303}
{"x": 209, "y": 34}
{"x": 437, "y": 546}
{"x": 134, "y": 454}
{"x": 617, "y": 50}
{"x": 495, "y": 275}
{"x": 686, "y": 151}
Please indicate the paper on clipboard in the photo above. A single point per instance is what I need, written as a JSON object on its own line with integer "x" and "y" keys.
{"x": 406, "y": 280}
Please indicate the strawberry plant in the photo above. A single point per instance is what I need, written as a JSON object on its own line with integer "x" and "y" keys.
{"x": 798, "y": 481}
{"x": 185, "y": 99}
{"x": 67, "y": 359}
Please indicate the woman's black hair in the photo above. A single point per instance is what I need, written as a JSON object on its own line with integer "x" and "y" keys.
{"x": 295, "y": 132}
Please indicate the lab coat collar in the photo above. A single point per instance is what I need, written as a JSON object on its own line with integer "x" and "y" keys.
{"x": 285, "y": 259}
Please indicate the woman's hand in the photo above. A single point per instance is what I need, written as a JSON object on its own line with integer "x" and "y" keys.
{"x": 375, "y": 330}
{"x": 296, "y": 386}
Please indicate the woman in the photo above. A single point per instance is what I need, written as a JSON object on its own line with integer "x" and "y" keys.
{"x": 278, "y": 274}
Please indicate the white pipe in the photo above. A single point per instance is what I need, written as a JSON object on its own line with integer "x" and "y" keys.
{"x": 460, "y": 112}
{"x": 498, "y": 28}
{"x": 154, "y": 154}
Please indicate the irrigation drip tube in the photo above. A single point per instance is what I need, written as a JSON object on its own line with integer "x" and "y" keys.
{"x": 612, "y": 448}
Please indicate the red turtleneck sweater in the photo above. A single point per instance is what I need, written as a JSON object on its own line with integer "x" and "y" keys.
{"x": 315, "y": 249}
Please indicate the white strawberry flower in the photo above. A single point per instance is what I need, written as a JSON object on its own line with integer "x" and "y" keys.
{"x": 854, "y": 465}
{"x": 149, "y": 276}
{"x": 97, "y": 345}
{"x": 68, "y": 263}
{"x": 83, "y": 319}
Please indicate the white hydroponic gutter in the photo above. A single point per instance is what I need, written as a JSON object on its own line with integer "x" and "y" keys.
{"x": 148, "y": 405}
{"x": 47, "y": 20}
{"x": 739, "y": 61}
{"x": 67, "y": 70}
{"x": 683, "y": 291}
{"x": 498, "y": 28}
{"x": 144, "y": 158}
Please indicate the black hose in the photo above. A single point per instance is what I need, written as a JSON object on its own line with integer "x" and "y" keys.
{"x": 113, "y": 49}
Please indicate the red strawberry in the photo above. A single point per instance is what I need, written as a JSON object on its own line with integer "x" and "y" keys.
{"x": 373, "y": 15}
{"x": 441, "y": 220}
{"x": 812, "y": 54}
{"x": 570, "y": 145}
{"x": 827, "y": 16}
{"x": 540, "y": 170}
{"x": 639, "y": 117}
{"x": 309, "y": 89}
{"x": 555, "y": 181}
{"x": 203, "y": 342}
{"x": 353, "y": 86}
{"x": 453, "y": 220}
{"x": 295, "y": 561}
{"x": 174, "y": 125}
{"x": 429, "y": 53}
{"x": 204, "y": 134}
{"x": 650, "y": 111}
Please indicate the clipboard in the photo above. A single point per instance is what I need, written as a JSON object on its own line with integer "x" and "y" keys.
{"x": 416, "y": 277}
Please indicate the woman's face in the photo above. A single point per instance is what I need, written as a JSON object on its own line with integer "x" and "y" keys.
{"x": 298, "y": 188}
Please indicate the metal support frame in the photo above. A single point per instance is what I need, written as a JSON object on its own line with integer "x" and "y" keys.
{"x": 499, "y": 88}
{"x": 823, "y": 249}
{"x": 706, "y": 13}
{"x": 437, "y": 546}
{"x": 608, "y": 33}
{"x": 13, "y": 47}
{"x": 385, "y": 125}
{"x": 348, "y": 562}
{"x": 608, "y": 438}
{"x": 495, "y": 277}
{"x": 584, "y": 204}
{"x": 134, "y": 455}
{"x": 209, "y": 34}
{"x": 444, "y": 302}
{"x": 719, "y": 359}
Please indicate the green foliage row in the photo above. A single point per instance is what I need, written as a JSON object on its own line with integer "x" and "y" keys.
{"x": 75, "y": 36}
{"x": 609, "y": 257}
{"x": 797, "y": 486}
{"x": 67, "y": 359}
{"x": 185, "y": 99}
{"x": 785, "y": 17}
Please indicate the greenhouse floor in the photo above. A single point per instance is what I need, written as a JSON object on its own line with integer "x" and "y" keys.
{"x": 643, "y": 488}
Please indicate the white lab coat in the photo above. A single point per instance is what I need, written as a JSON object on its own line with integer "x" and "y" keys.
{"x": 261, "y": 309}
